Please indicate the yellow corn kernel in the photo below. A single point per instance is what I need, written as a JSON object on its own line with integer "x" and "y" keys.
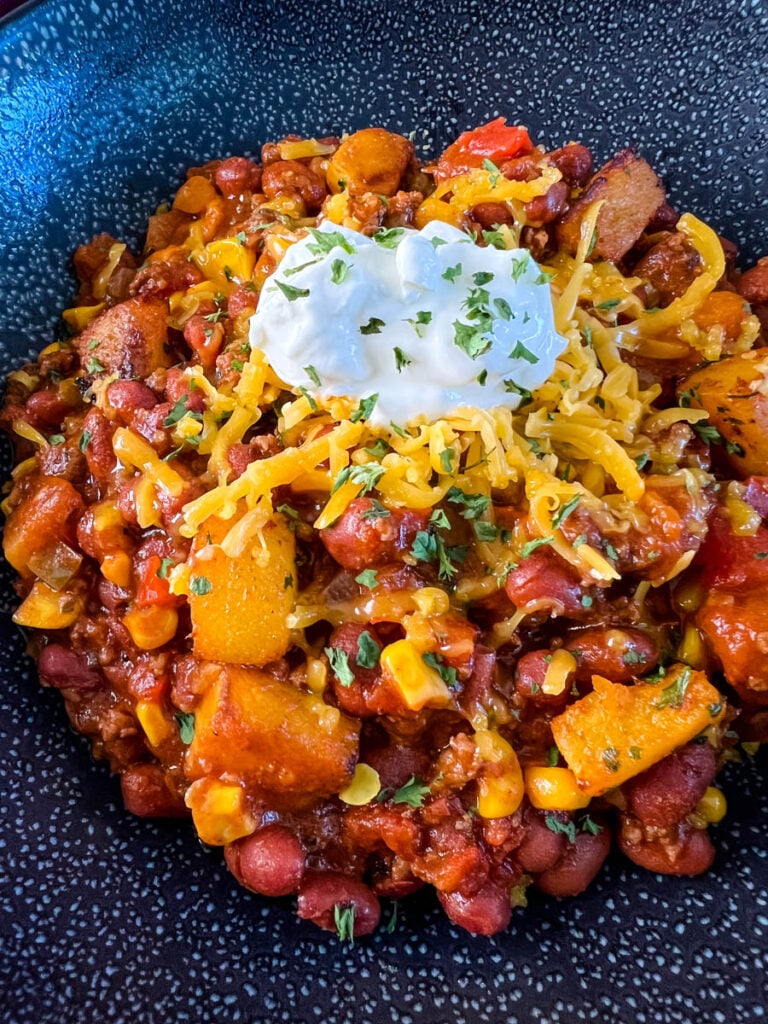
{"x": 116, "y": 568}
{"x": 151, "y": 627}
{"x": 336, "y": 208}
{"x": 417, "y": 683}
{"x": 154, "y": 723}
{"x": 364, "y": 786}
{"x": 78, "y": 317}
{"x": 44, "y": 608}
{"x": 745, "y": 521}
{"x": 689, "y": 596}
{"x": 317, "y": 675}
{"x": 713, "y": 806}
{"x": 691, "y": 649}
{"x": 431, "y": 601}
{"x": 561, "y": 665}
{"x": 500, "y": 788}
{"x": 219, "y": 811}
{"x": 554, "y": 789}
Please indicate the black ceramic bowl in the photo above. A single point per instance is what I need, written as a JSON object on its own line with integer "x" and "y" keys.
{"x": 109, "y": 919}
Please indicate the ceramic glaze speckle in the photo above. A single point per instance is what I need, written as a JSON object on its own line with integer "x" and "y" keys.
{"x": 110, "y": 919}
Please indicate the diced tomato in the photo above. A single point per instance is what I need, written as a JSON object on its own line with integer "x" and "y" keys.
{"x": 730, "y": 561}
{"x": 735, "y": 626}
{"x": 152, "y": 588}
{"x": 496, "y": 141}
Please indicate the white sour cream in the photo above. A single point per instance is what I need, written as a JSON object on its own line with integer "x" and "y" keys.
{"x": 426, "y": 320}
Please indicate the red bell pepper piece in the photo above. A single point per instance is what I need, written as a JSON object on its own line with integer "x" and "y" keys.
{"x": 151, "y": 588}
{"x": 496, "y": 141}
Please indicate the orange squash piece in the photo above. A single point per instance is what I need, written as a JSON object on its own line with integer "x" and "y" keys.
{"x": 618, "y": 731}
{"x": 286, "y": 746}
{"x": 239, "y": 606}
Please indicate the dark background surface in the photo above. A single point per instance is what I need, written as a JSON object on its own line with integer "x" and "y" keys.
{"x": 112, "y": 920}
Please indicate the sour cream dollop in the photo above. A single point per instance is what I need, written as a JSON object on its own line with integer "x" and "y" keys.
{"x": 426, "y": 320}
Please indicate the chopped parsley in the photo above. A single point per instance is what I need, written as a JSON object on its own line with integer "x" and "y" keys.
{"x": 420, "y": 321}
{"x": 344, "y": 920}
{"x": 439, "y": 520}
{"x": 365, "y": 408}
{"x": 452, "y": 273}
{"x": 472, "y": 505}
{"x": 313, "y": 375}
{"x": 312, "y": 403}
{"x": 532, "y": 545}
{"x": 367, "y": 578}
{"x": 471, "y": 338}
{"x": 186, "y": 725}
{"x": 521, "y": 352}
{"x": 482, "y": 277}
{"x": 446, "y": 673}
{"x": 553, "y": 756}
{"x": 373, "y": 326}
{"x": 200, "y": 586}
{"x": 165, "y": 565}
{"x": 368, "y": 651}
{"x": 672, "y": 696}
{"x": 608, "y": 304}
{"x": 340, "y": 665}
{"x": 56, "y": 439}
{"x": 447, "y": 455}
{"x": 515, "y": 389}
{"x": 564, "y": 511}
{"x": 611, "y": 759}
{"x": 389, "y": 238}
{"x": 339, "y": 271}
{"x": 485, "y": 532}
{"x": 324, "y": 241}
{"x": 287, "y": 582}
{"x": 412, "y": 793}
{"x": 367, "y": 475}
{"x": 290, "y": 292}
{"x": 95, "y": 365}
{"x": 561, "y": 828}
{"x": 401, "y": 359}
{"x": 179, "y": 411}
{"x": 588, "y": 825}
{"x": 85, "y": 439}
{"x": 376, "y": 511}
{"x": 494, "y": 238}
{"x": 519, "y": 266}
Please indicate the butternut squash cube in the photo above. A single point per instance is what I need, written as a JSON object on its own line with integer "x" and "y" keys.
{"x": 618, "y": 731}
{"x": 289, "y": 748}
{"x": 239, "y": 606}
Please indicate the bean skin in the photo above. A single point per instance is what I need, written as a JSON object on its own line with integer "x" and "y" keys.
{"x": 358, "y": 542}
{"x": 237, "y": 175}
{"x": 486, "y": 912}
{"x": 689, "y": 852}
{"x": 544, "y": 209}
{"x": 290, "y": 176}
{"x": 126, "y": 396}
{"x": 488, "y": 215}
{"x": 529, "y": 677}
{"x": 270, "y": 862}
{"x": 578, "y": 866}
{"x": 368, "y": 694}
{"x": 146, "y": 795}
{"x": 541, "y": 848}
{"x": 671, "y": 789}
{"x": 543, "y": 582}
{"x": 574, "y": 163}
{"x": 322, "y": 891}
{"x": 616, "y": 654}
{"x": 65, "y": 669}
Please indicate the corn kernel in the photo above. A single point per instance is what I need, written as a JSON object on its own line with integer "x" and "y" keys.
{"x": 317, "y": 675}
{"x": 560, "y": 667}
{"x": 431, "y": 601}
{"x": 554, "y": 789}
{"x": 44, "y": 608}
{"x": 713, "y": 806}
{"x": 116, "y": 568}
{"x": 219, "y": 811}
{"x": 500, "y": 788}
{"x": 365, "y": 785}
{"x": 689, "y": 596}
{"x": 417, "y": 683}
{"x": 691, "y": 649}
{"x": 154, "y": 723}
{"x": 151, "y": 627}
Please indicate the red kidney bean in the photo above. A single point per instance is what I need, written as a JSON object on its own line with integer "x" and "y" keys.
{"x": 241, "y": 300}
{"x": 544, "y": 582}
{"x": 293, "y": 177}
{"x": 46, "y": 409}
{"x": 574, "y": 162}
{"x": 753, "y": 284}
{"x": 99, "y": 453}
{"x": 146, "y": 795}
{"x": 578, "y": 866}
{"x": 368, "y": 694}
{"x": 112, "y": 596}
{"x": 522, "y": 168}
{"x": 665, "y": 219}
{"x": 529, "y": 678}
{"x": 486, "y": 912}
{"x": 240, "y": 456}
{"x": 126, "y": 396}
{"x": 237, "y": 175}
{"x": 488, "y": 215}
{"x": 358, "y": 542}
{"x": 271, "y": 861}
{"x": 541, "y": 848}
{"x": 544, "y": 209}
{"x": 617, "y": 654}
{"x": 322, "y": 891}
{"x": 397, "y": 763}
{"x": 688, "y": 852}
{"x": 670, "y": 789}
{"x": 177, "y": 386}
{"x": 65, "y": 669}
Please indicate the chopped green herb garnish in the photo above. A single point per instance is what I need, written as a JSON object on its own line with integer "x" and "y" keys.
{"x": 473, "y": 505}
{"x": 485, "y": 532}
{"x": 532, "y": 545}
{"x": 85, "y": 439}
{"x": 367, "y": 578}
{"x": 165, "y": 565}
{"x": 365, "y": 408}
{"x": 373, "y": 326}
{"x": 313, "y": 375}
{"x": 521, "y": 352}
{"x": 200, "y": 586}
{"x": 376, "y": 511}
{"x": 611, "y": 759}
{"x": 290, "y": 292}
{"x": 367, "y": 475}
{"x": 186, "y": 726}
{"x": 340, "y": 665}
{"x": 412, "y": 793}
{"x": 567, "y": 829}
{"x": 451, "y": 273}
{"x": 344, "y": 920}
{"x": 401, "y": 359}
{"x": 56, "y": 439}
{"x": 325, "y": 241}
{"x": 672, "y": 696}
{"x": 564, "y": 511}
{"x": 339, "y": 271}
{"x": 389, "y": 238}
{"x": 368, "y": 651}
{"x": 446, "y": 673}
{"x": 447, "y": 456}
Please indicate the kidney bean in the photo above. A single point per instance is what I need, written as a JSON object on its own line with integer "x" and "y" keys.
{"x": 574, "y": 162}
{"x": 46, "y": 409}
{"x": 236, "y": 175}
{"x": 99, "y": 453}
{"x": 544, "y": 582}
{"x": 544, "y": 209}
{"x": 205, "y": 338}
{"x": 522, "y": 168}
{"x": 369, "y": 693}
{"x": 488, "y": 215}
{"x": 240, "y": 301}
{"x": 578, "y": 866}
{"x": 293, "y": 177}
{"x": 65, "y": 669}
{"x": 689, "y": 851}
{"x": 486, "y": 912}
{"x": 322, "y": 891}
{"x": 753, "y": 284}
{"x": 617, "y": 654}
{"x": 270, "y": 862}
{"x": 665, "y": 219}
{"x": 529, "y": 677}
{"x": 401, "y": 210}
{"x": 358, "y": 542}
{"x": 240, "y": 456}
{"x": 126, "y": 396}
{"x": 541, "y": 848}
{"x": 146, "y": 794}
{"x": 670, "y": 789}
{"x": 149, "y": 423}
{"x": 396, "y": 763}
{"x": 177, "y": 386}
